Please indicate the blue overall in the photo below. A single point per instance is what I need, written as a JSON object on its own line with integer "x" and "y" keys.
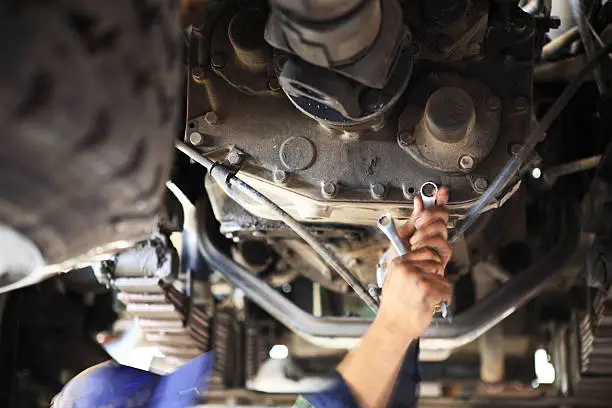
{"x": 112, "y": 385}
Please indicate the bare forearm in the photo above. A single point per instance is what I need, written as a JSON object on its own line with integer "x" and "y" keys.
{"x": 371, "y": 370}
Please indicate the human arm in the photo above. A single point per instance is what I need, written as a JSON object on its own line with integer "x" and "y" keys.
{"x": 414, "y": 286}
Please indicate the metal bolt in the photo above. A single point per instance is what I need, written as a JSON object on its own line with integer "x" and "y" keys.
{"x": 234, "y": 158}
{"x": 198, "y": 73}
{"x": 405, "y": 138}
{"x": 481, "y": 184}
{"x": 329, "y": 189}
{"x": 515, "y": 149}
{"x": 218, "y": 61}
{"x": 196, "y": 138}
{"x": 520, "y": 103}
{"x": 466, "y": 162}
{"x": 274, "y": 85}
{"x": 280, "y": 176}
{"x": 211, "y": 118}
{"x": 493, "y": 103}
{"x": 378, "y": 191}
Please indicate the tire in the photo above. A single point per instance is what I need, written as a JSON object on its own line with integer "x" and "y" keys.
{"x": 89, "y": 98}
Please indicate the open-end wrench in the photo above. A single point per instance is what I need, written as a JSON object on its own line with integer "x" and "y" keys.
{"x": 429, "y": 191}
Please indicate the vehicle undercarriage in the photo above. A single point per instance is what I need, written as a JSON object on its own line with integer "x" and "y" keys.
{"x": 307, "y": 121}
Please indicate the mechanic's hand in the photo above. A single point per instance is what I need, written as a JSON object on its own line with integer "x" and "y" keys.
{"x": 415, "y": 283}
{"x": 427, "y": 229}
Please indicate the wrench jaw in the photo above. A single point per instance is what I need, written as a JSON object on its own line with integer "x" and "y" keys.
{"x": 429, "y": 192}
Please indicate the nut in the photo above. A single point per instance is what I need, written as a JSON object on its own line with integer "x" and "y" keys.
{"x": 211, "y": 118}
{"x": 329, "y": 189}
{"x": 196, "y": 138}
{"x": 280, "y": 176}
{"x": 378, "y": 191}
{"x": 481, "y": 184}
{"x": 466, "y": 162}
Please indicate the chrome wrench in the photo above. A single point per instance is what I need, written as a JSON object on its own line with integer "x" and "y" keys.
{"x": 429, "y": 191}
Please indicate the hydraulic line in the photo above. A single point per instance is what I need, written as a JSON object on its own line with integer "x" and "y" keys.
{"x": 224, "y": 175}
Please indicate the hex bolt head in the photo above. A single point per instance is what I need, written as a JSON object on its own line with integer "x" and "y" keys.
{"x": 211, "y": 118}
{"x": 405, "y": 138}
{"x": 218, "y": 61}
{"x": 493, "y": 103}
{"x": 280, "y": 176}
{"x": 378, "y": 191}
{"x": 196, "y": 138}
{"x": 520, "y": 103}
{"x": 481, "y": 184}
{"x": 466, "y": 162}
{"x": 328, "y": 189}
{"x": 234, "y": 158}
